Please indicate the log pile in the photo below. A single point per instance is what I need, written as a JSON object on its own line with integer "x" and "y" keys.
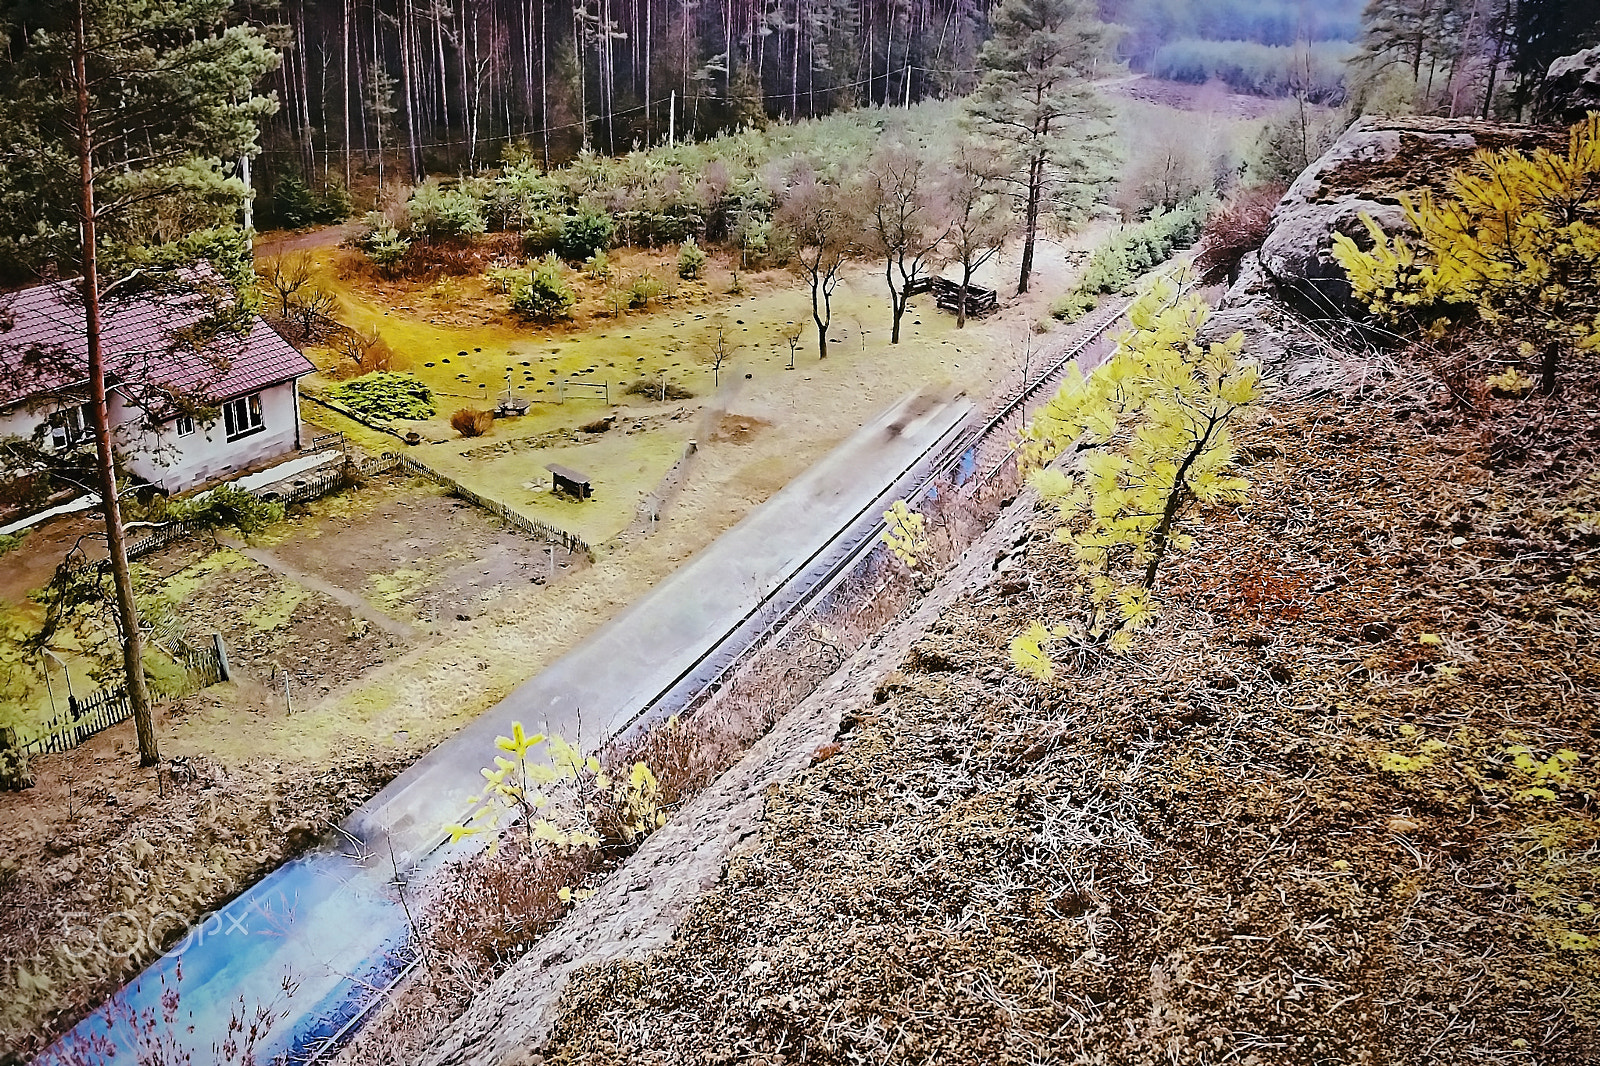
{"x": 980, "y": 301}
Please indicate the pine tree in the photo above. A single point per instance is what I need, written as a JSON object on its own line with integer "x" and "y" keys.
{"x": 1034, "y": 102}
{"x": 1153, "y": 429}
{"x": 123, "y": 110}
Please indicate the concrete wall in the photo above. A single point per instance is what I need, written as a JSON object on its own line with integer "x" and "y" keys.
{"x": 178, "y": 462}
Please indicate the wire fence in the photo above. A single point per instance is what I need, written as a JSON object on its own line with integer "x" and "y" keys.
{"x": 571, "y": 541}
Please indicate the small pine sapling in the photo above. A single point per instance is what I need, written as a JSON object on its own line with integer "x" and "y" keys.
{"x": 691, "y": 260}
{"x": 567, "y": 800}
{"x": 904, "y": 534}
{"x": 1153, "y": 430}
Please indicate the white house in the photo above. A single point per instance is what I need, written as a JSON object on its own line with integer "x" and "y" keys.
{"x": 251, "y": 377}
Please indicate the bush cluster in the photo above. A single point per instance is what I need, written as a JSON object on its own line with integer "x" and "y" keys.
{"x": 1130, "y": 252}
{"x": 436, "y": 211}
{"x": 385, "y": 394}
{"x": 543, "y": 295}
{"x": 721, "y": 189}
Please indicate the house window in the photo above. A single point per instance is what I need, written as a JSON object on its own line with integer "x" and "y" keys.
{"x": 69, "y": 425}
{"x": 242, "y": 417}
{"x": 184, "y": 424}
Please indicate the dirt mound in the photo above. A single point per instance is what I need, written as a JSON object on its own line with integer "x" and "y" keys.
{"x": 737, "y": 429}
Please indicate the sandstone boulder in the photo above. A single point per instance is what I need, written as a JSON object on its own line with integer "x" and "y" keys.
{"x": 1571, "y": 89}
{"x": 1369, "y": 171}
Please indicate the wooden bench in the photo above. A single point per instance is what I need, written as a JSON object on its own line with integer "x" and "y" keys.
{"x": 570, "y": 481}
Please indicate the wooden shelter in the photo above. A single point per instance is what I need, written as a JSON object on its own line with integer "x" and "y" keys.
{"x": 570, "y": 481}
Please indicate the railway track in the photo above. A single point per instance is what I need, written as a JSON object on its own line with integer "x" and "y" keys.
{"x": 984, "y": 445}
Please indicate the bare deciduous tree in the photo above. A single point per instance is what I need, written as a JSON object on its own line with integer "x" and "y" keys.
{"x": 979, "y": 213}
{"x": 791, "y": 336}
{"x": 311, "y": 312}
{"x": 817, "y": 214}
{"x": 903, "y": 223}
{"x": 286, "y": 275}
{"x": 359, "y": 346}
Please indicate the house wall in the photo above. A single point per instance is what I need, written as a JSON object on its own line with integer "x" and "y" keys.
{"x": 178, "y": 463}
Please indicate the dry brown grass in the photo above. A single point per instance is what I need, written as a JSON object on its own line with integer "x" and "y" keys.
{"x": 472, "y": 422}
{"x": 1291, "y": 827}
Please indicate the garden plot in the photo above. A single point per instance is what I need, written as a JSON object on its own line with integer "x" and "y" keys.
{"x": 404, "y": 555}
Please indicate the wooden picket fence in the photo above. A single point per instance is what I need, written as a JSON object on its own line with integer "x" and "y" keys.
{"x": 202, "y": 662}
{"x": 87, "y": 716}
{"x": 103, "y": 709}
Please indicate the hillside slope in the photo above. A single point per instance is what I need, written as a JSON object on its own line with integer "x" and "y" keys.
{"x": 1339, "y": 808}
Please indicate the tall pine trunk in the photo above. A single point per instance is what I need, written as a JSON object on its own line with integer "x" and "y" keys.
{"x": 1035, "y": 192}
{"x": 116, "y": 546}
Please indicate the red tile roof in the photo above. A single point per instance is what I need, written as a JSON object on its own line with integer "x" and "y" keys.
{"x": 43, "y": 346}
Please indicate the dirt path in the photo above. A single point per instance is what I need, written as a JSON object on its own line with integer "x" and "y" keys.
{"x": 279, "y": 242}
{"x": 358, "y": 605}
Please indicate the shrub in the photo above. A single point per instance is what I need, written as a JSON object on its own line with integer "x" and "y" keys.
{"x": 1128, "y": 253}
{"x": 652, "y": 389}
{"x": 472, "y": 422}
{"x": 384, "y": 244}
{"x": 567, "y": 800}
{"x": 385, "y": 394}
{"x": 691, "y": 260}
{"x": 597, "y": 266}
{"x": 543, "y": 296}
{"x": 293, "y": 206}
{"x": 1234, "y": 230}
{"x": 541, "y": 233}
{"x": 1292, "y": 141}
{"x": 439, "y": 212}
{"x": 584, "y": 234}
{"x": 643, "y": 289}
{"x": 228, "y": 505}
{"x": 503, "y": 279}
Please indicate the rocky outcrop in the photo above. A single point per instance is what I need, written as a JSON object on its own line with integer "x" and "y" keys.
{"x": 1571, "y": 89}
{"x": 1368, "y": 172}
